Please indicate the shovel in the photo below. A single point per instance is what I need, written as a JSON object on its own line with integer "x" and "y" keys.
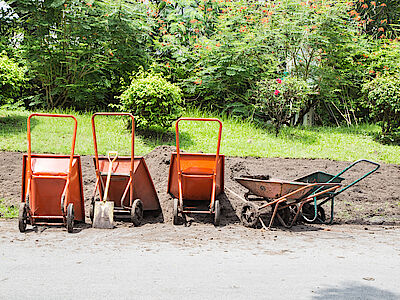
{"x": 104, "y": 210}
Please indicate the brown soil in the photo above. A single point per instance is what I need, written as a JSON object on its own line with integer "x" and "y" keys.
{"x": 375, "y": 200}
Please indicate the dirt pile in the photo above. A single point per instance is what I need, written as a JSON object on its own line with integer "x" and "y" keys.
{"x": 375, "y": 200}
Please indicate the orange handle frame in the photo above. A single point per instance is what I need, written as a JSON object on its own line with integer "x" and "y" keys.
{"x": 30, "y": 143}
{"x": 201, "y": 120}
{"x": 96, "y": 154}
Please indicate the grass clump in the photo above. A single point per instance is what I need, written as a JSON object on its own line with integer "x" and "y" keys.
{"x": 8, "y": 211}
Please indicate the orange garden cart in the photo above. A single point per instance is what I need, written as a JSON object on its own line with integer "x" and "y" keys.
{"x": 52, "y": 191}
{"x": 131, "y": 188}
{"x": 196, "y": 179}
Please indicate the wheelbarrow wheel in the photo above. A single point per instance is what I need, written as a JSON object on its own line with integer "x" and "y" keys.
{"x": 137, "y": 212}
{"x": 62, "y": 204}
{"x": 91, "y": 209}
{"x": 308, "y": 212}
{"x": 175, "y": 220}
{"x": 70, "y": 218}
{"x": 249, "y": 214}
{"x": 217, "y": 213}
{"x": 22, "y": 217}
{"x": 285, "y": 217}
{"x": 321, "y": 217}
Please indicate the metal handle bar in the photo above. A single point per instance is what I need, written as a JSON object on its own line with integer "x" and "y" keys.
{"x": 355, "y": 181}
{"x": 96, "y": 153}
{"x": 51, "y": 116}
{"x": 359, "y": 179}
{"x": 110, "y": 163}
{"x": 201, "y": 120}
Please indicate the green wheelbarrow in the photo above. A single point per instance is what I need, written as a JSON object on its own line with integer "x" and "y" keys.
{"x": 314, "y": 212}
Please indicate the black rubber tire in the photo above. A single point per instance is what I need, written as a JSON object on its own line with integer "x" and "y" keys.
{"x": 175, "y": 219}
{"x": 91, "y": 209}
{"x": 137, "y": 212}
{"x": 321, "y": 217}
{"x": 249, "y": 214}
{"x": 308, "y": 211}
{"x": 285, "y": 215}
{"x": 217, "y": 213}
{"x": 22, "y": 217}
{"x": 70, "y": 218}
{"x": 62, "y": 204}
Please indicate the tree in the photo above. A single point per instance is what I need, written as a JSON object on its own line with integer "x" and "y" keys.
{"x": 79, "y": 51}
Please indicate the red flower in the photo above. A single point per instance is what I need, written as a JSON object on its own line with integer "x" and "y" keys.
{"x": 276, "y": 92}
{"x": 383, "y": 4}
{"x": 65, "y": 5}
{"x": 218, "y": 44}
{"x": 279, "y": 80}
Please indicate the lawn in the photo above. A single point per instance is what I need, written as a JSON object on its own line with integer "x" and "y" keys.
{"x": 239, "y": 138}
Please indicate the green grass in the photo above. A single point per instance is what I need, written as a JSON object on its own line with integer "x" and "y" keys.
{"x": 8, "y": 211}
{"x": 239, "y": 138}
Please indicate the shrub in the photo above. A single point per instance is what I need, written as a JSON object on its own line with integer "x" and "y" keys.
{"x": 383, "y": 100}
{"x": 281, "y": 99}
{"x": 12, "y": 79}
{"x": 152, "y": 99}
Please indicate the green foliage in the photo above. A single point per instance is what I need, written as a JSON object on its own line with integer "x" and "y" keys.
{"x": 78, "y": 51}
{"x": 152, "y": 100}
{"x": 8, "y": 211}
{"x": 383, "y": 99}
{"x": 218, "y": 50}
{"x": 12, "y": 79}
{"x": 377, "y": 18}
{"x": 281, "y": 99}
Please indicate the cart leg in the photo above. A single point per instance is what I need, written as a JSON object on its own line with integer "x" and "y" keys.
{"x": 273, "y": 215}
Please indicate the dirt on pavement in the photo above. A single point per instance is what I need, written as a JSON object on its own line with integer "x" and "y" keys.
{"x": 375, "y": 200}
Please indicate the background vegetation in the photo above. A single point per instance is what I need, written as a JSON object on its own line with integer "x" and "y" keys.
{"x": 224, "y": 56}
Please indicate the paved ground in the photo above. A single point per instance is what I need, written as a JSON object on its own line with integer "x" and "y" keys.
{"x": 161, "y": 261}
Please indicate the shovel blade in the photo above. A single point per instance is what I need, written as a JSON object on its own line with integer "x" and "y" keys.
{"x": 103, "y": 215}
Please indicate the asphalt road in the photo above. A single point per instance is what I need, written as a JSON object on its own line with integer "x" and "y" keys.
{"x": 160, "y": 261}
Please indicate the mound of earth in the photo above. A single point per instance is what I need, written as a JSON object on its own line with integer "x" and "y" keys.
{"x": 375, "y": 200}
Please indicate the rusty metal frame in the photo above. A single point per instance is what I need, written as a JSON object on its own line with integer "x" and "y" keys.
{"x": 214, "y": 171}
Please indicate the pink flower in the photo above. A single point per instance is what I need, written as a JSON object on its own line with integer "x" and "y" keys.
{"x": 279, "y": 81}
{"x": 276, "y": 92}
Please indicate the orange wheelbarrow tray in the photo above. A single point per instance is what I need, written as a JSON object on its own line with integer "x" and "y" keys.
{"x": 131, "y": 187}
{"x": 52, "y": 192}
{"x": 196, "y": 179}
{"x": 282, "y": 195}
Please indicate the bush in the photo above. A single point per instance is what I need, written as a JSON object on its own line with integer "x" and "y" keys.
{"x": 281, "y": 99}
{"x": 12, "y": 79}
{"x": 152, "y": 100}
{"x": 383, "y": 100}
